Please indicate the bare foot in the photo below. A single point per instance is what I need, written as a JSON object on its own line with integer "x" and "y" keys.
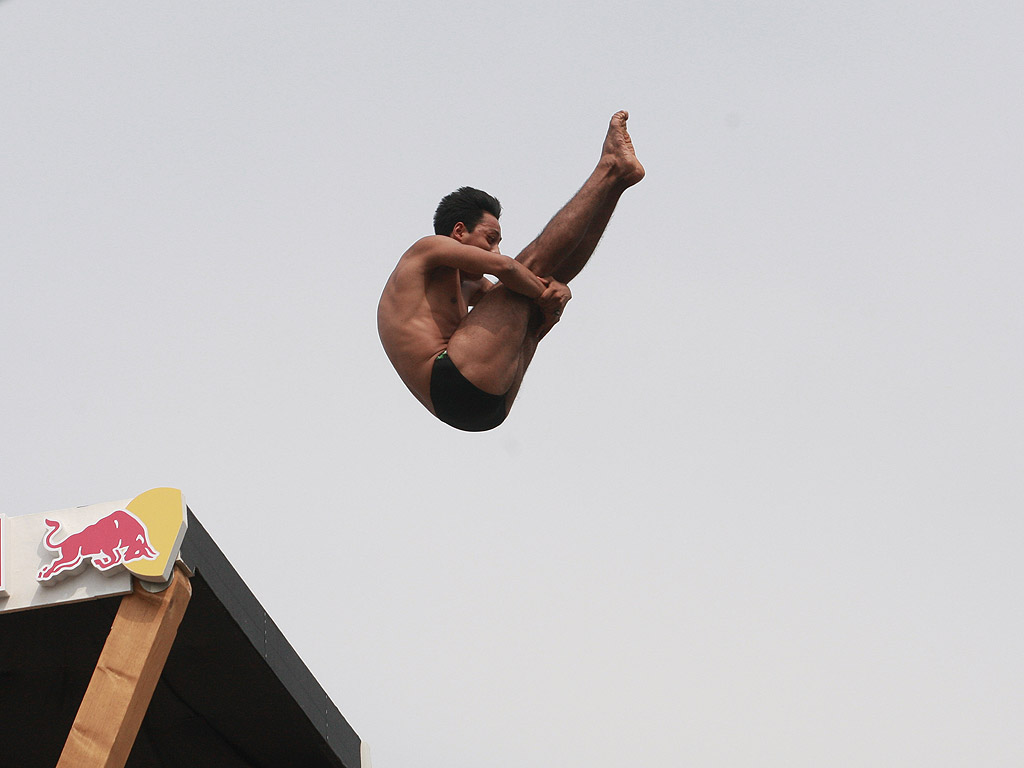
{"x": 618, "y": 148}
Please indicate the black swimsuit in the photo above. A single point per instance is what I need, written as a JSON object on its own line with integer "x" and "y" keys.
{"x": 459, "y": 403}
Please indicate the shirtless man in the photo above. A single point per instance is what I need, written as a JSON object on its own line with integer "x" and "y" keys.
{"x": 465, "y": 365}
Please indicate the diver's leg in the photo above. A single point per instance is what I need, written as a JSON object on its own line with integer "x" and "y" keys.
{"x": 572, "y": 264}
{"x": 617, "y": 170}
{"x": 491, "y": 343}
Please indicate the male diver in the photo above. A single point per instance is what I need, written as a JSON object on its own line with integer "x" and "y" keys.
{"x": 466, "y": 365}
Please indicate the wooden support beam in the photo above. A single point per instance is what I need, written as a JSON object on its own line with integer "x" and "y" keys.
{"x": 126, "y": 675}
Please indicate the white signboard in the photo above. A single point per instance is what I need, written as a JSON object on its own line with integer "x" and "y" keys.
{"x": 88, "y": 552}
{"x": 24, "y": 554}
{"x": 3, "y": 561}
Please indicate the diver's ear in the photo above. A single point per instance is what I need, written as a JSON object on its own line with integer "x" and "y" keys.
{"x": 459, "y": 231}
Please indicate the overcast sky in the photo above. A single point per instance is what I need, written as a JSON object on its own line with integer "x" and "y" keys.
{"x": 759, "y": 502}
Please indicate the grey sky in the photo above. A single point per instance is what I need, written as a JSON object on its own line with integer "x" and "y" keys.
{"x": 759, "y": 502}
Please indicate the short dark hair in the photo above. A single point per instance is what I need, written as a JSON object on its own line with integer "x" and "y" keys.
{"x": 467, "y": 205}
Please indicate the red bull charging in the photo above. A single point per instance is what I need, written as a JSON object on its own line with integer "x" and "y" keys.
{"x": 118, "y": 538}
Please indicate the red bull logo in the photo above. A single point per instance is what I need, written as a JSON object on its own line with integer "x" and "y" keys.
{"x": 116, "y": 539}
{"x": 90, "y": 551}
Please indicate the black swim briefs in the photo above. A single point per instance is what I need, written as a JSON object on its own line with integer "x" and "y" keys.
{"x": 459, "y": 403}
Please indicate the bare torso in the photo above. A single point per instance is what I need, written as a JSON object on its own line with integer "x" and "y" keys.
{"x": 418, "y": 312}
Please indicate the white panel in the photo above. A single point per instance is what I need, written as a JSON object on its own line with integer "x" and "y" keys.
{"x": 25, "y": 555}
{"x": 3, "y": 559}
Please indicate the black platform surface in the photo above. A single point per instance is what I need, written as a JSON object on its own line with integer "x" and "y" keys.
{"x": 233, "y": 694}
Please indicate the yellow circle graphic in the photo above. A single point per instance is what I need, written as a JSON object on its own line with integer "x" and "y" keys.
{"x": 162, "y": 510}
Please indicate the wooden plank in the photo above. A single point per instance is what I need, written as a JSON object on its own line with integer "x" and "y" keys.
{"x": 125, "y": 677}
